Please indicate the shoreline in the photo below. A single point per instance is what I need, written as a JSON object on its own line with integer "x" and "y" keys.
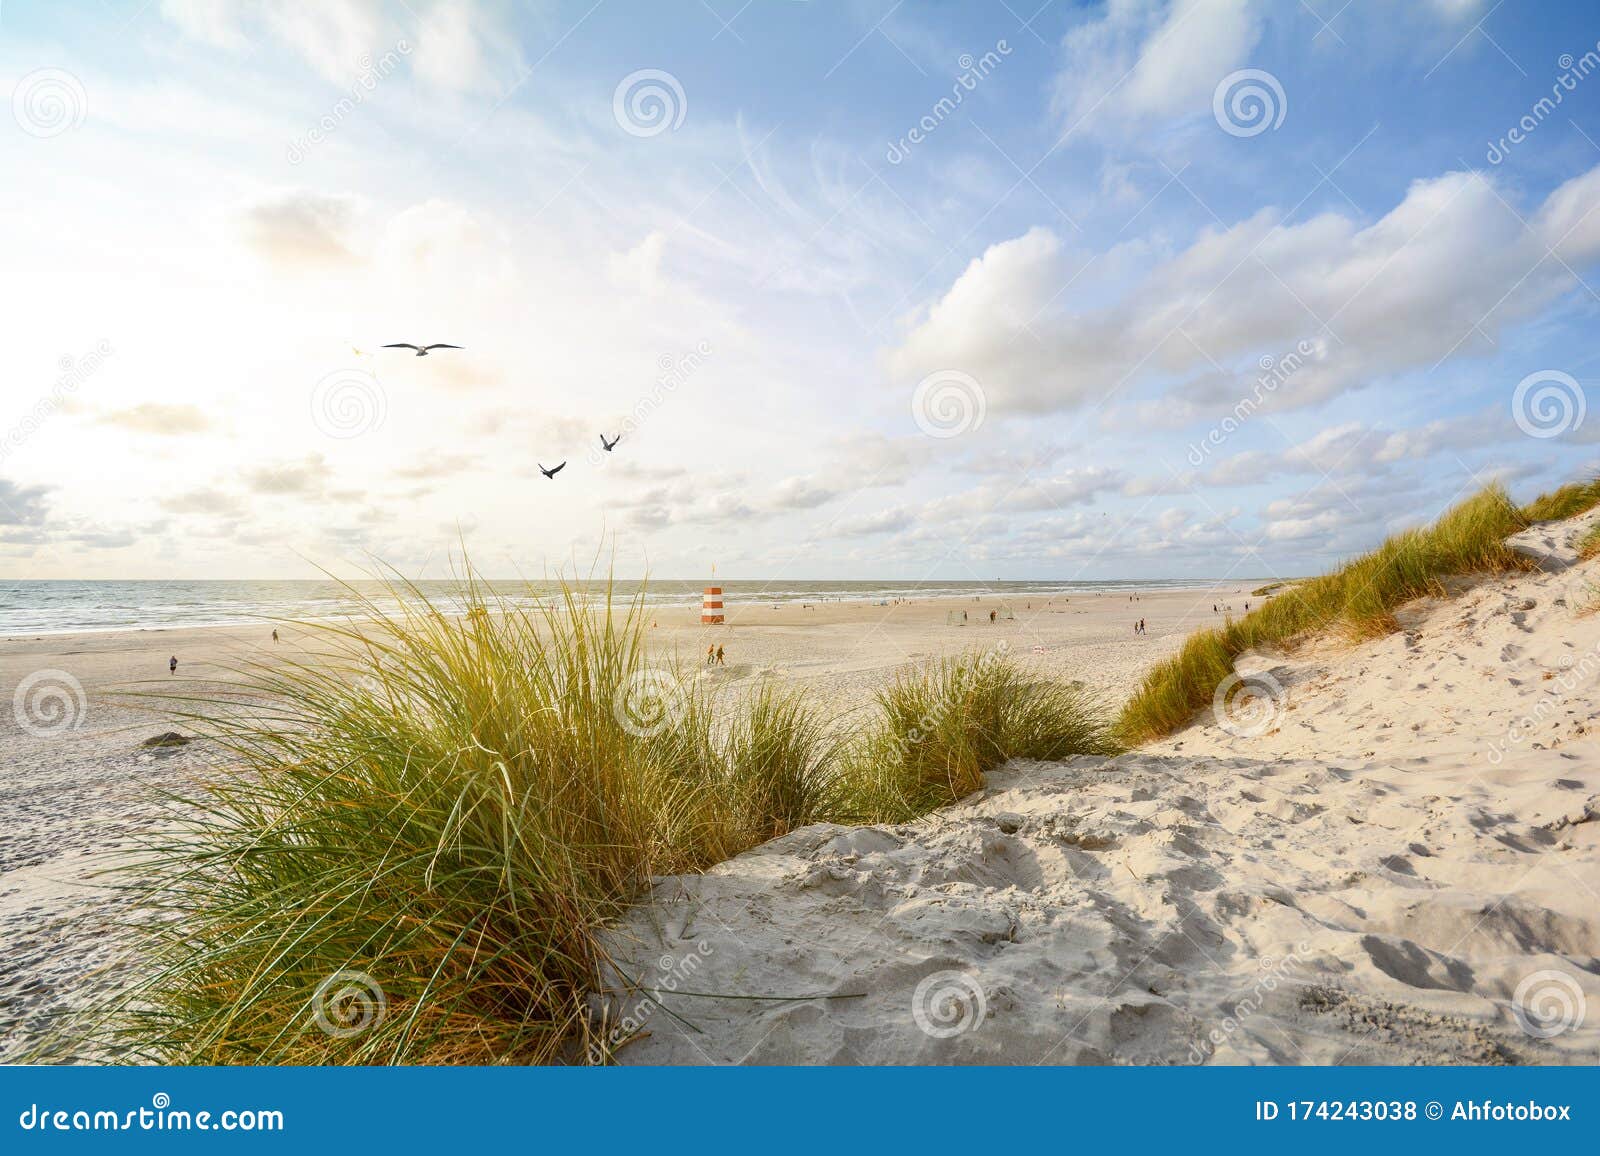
{"x": 889, "y": 595}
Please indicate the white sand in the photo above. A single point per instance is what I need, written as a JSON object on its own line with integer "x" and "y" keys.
{"x": 1397, "y": 860}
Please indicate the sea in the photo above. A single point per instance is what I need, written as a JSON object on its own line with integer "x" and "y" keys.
{"x": 35, "y": 607}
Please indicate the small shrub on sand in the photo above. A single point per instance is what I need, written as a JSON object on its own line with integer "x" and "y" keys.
{"x": 942, "y": 726}
{"x": 1358, "y": 600}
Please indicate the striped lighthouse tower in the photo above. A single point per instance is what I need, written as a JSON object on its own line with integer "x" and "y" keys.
{"x": 711, "y": 606}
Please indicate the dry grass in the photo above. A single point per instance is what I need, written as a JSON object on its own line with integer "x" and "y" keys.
{"x": 1589, "y": 544}
{"x": 1567, "y": 502}
{"x": 1357, "y": 601}
{"x": 941, "y": 727}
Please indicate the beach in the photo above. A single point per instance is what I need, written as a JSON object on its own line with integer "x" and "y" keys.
{"x": 1398, "y": 862}
{"x": 1394, "y": 858}
{"x": 79, "y": 783}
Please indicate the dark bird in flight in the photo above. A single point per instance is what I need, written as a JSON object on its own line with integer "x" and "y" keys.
{"x": 551, "y": 473}
{"x": 422, "y": 350}
{"x": 612, "y": 444}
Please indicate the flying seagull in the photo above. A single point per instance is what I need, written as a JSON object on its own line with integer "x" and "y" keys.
{"x": 612, "y": 444}
{"x": 422, "y": 350}
{"x": 551, "y": 473}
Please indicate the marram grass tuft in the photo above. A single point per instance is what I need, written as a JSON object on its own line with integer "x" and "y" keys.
{"x": 420, "y": 831}
{"x": 1357, "y": 600}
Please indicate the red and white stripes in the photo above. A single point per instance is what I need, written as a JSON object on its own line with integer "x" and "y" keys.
{"x": 711, "y": 606}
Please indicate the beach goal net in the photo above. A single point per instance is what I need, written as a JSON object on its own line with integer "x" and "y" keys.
{"x": 1006, "y": 613}
{"x": 955, "y": 618}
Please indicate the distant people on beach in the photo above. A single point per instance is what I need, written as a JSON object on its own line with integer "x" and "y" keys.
{"x": 274, "y": 636}
{"x": 991, "y": 616}
{"x": 172, "y": 665}
{"x": 719, "y": 657}
{"x": 711, "y": 654}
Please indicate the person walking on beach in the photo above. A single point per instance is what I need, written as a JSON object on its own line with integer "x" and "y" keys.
{"x": 172, "y": 665}
{"x": 711, "y": 654}
{"x": 719, "y": 657}
{"x": 1141, "y": 626}
{"x": 991, "y": 617}
{"x": 274, "y": 636}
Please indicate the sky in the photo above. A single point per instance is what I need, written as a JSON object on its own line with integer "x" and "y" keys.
{"x": 1144, "y": 288}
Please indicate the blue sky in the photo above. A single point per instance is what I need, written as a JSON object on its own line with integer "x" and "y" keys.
{"x": 850, "y": 325}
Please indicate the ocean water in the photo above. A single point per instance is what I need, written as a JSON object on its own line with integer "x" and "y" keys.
{"x": 30, "y": 608}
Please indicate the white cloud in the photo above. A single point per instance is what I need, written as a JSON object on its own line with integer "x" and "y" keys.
{"x": 883, "y": 522}
{"x": 300, "y": 228}
{"x": 1448, "y": 265}
{"x": 1147, "y": 59}
{"x": 462, "y": 47}
{"x": 21, "y": 505}
{"x": 640, "y": 267}
{"x": 156, "y": 418}
{"x": 455, "y": 45}
{"x": 802, "y": 493}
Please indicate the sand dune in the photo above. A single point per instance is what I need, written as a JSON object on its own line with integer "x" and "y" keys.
{"x": 78, "y": 786}
{"x": 1394, "y": 857}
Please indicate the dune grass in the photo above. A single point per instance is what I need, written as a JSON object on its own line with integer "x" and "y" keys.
{"x": 443, "y": 810}
{"x": 1567, "y": 502}
{"x": 1357, "y": 600}
{"x": 939, "y": 728}
{"x": 1589, "y": 544}
{"x": 784, "y": 766}
{"x": 424, "y": 830}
